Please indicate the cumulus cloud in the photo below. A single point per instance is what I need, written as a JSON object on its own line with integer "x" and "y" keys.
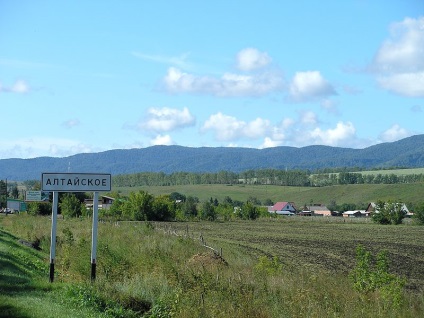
{"x": 250, "y": 59}
{"x": 334, "y": 137}
{"x": 303, "y": 131}
{"x": 166, "y": 119}
{"x": 19, "y": 87}
{"x": 229, "y": 85}
{"x": 399, "y": 62}
{"x": 164, "y": 140}
{"x": 229, "y": 128}
{"x": 394, "y": 133}
{"x": 309, "y": 85}
{"x": 408, "y": 84}
{"x": 268, "y": 143}
{"x": 255, "y": 79}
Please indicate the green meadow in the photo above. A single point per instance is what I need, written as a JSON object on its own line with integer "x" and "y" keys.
{"x": 353, "y": 193}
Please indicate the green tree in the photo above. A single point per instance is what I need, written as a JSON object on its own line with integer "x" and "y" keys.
{"x": 163, "y": 208}
{"x": 189, "y": 207}
{"x": 207, "y": 211}
{"x": 3, "y": 194}
{"x": 419, "y": 214}
{"x": 70, "y": 205}
{"x": 138, "y": 207}
{"x": 15, "y": 192}
{"x": 248, "y": 211}
{"x": 389, "y": 213}
{"x": 39, "y": 208}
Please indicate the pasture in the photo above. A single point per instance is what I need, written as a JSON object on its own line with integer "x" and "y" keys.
{"x": 360, "y": 194}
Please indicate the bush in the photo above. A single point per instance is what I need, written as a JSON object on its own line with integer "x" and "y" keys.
{"x": 368, "y": 277}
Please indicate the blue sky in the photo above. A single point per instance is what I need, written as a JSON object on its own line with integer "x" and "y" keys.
{"x": 89, "y": 76}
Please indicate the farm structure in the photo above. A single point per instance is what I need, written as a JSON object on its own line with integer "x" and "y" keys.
{"x": 283, "y": 208}
{"x": 356, "y": 214}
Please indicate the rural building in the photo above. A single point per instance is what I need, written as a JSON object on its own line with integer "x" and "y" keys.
{"x": 356, "y": 214}
{"x": 305, "y": 213}
{"x": 283, "y": 208}
{"x": 372, "y": 208}
{"x": 319, "y": 210}
{"x": 104, "y": 202}
{"x": 16, "y": 205}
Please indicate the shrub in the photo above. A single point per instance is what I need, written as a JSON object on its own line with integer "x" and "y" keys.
{"x": 368, "y": 277}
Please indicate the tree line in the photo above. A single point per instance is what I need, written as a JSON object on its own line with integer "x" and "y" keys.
{"x": 299, "y": 178}
{"x": 143, "y": 206}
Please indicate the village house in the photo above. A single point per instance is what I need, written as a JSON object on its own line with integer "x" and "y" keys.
{"x": 283, "y": 208}
{"x": 319, "y": 210}
{"x": 356, "y": 214}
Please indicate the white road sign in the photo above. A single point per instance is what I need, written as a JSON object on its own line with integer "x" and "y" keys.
{"x": 76, "y": 182}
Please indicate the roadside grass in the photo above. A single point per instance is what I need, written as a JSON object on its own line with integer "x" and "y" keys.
{"x": 352, "y": 193}
{"x": 24, "y": 287}
{"x": 283, "y": 267}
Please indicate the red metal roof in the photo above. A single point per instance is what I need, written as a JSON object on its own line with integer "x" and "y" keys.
{"x": 279, "y": 206}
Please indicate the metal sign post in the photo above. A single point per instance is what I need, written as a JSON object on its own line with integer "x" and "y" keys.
{"x": 94, "y": 235}
{"x": 53, "y": 235}
{"x": 75, "y": 182}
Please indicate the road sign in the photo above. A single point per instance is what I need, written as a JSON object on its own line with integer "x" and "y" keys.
{"x": 33, "y": 196}
{"x": 75, "y": 182}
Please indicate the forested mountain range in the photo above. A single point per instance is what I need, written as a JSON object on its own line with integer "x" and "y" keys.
{"x": 406, "y": 153}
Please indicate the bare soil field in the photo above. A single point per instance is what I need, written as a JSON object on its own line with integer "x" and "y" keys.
{"x": 314, "y": 243}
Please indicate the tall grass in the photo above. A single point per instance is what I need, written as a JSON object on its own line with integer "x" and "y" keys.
{"x": 143, "y": 271}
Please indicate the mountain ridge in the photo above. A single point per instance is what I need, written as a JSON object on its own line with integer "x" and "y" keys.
{"x": 406, "y": 153}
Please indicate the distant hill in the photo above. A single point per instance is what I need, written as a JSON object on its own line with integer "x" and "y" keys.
{"x": 408, "y": 153}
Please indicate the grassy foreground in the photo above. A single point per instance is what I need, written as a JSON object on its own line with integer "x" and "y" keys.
{"x": 288, "y": 267}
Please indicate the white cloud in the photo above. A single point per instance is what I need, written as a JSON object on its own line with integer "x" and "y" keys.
{"x": 250, "y": 59}
{"x": 394, "y": 133}
{"x": 337, "y": 136}
{"x": 330, "y": 106}
{"x": 308, "y": 118}
{"x": 268, "y": 143}
{"x": 162, "y": 140}
{"x": 229, "y": 85}
{"x": 399, "y": 61}
{"x": 228, "y": 128}
{"x": 19, "y": 87}
{"x": 42, "y": 146}
{"x": 309, "y": 86}
{"x": 407, "y": 84}
{"x": 167, "y": 119}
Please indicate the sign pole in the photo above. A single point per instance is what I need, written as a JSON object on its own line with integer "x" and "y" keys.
{"x": 53, "y": 235}
{"x": 94, "y": 235}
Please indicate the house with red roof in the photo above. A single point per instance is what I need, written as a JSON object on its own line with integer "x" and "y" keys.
{"x": 283, "y": 208}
